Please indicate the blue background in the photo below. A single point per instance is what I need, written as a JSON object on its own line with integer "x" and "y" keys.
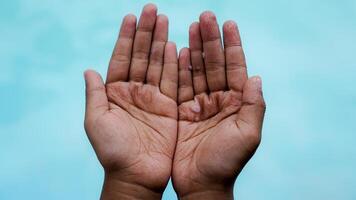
{"x": 304, "y": 50}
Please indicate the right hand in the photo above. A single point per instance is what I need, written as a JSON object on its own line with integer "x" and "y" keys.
{"x": 220, "y": 109}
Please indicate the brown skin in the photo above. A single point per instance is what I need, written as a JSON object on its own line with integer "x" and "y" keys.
{"x": 133, "y": 119}
{"x": 220, "y": 112}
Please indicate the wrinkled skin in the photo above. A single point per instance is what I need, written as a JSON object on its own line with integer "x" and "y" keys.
{"x": 220, "y": 112}
{"x": 199, "y": 122}
{"x": 136, "y": 136}
{"x": 214, "y": 146}
{"x": 131, "y": 121}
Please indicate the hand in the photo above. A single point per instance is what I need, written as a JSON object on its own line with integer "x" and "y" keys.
{"x": 132, "y": 120}
{"x": 220, "y": 112}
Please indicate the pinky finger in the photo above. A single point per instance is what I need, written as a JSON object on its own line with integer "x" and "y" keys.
{"x": 185, "y": 83}
{"x": 169, "y": 81}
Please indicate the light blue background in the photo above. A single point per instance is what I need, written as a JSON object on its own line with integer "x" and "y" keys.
{"x": 304, "y": 50}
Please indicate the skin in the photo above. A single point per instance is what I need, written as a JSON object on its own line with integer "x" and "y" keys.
{"x": 131, "y": 121}
{"x": 220, "y": 111}
{"x": 152, "y": 119}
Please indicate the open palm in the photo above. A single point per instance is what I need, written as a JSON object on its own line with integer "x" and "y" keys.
{"x": 132, "y": 120}
{"x": 220, "y": 112}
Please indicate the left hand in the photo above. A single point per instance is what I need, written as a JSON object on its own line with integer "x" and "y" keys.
{"x": 132, "y": 120}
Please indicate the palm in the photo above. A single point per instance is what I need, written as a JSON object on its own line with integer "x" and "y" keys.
{"x": 131, "y": 121}
{"x": 136, "y": 134}
{"x": 220, "y": 110}
{"x": 213, "y": 144}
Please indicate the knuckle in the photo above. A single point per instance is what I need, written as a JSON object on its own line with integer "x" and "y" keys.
{"x": 118, "y": 57}
{"x": 156, "y": 56}
{"x": 140, "y": 54}
{"x": 95, "y": 89}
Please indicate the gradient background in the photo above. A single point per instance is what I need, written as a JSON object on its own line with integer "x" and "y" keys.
{"x": 304, "y": 50}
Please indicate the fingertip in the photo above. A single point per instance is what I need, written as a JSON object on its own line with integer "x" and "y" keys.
{"x": 150, "y": 7}
{"x": 229, "y": 24}
{"x": 184, "y": 51}
{"x": 148, "y": 16}
{"x": 207, "y": 16}
{"x": 258, "y": 82}
{"x": 254, "y": 83}
{"x": 257, "y": 92}
{"x": 193, "y": 27}
{"x": 161, "y": 28}
{"x": 88, "y": 73}
{"x": 194, "y": 36}
{"x": 162, "y": 18}
{"x": 256, "y": 78}
{"x": 128, "y": 26}
{"x": 92, "y": 78}
{"x": 209, "y": 29}
{"x": 231, "y": 34}
{"x": 96, "y": 99}
{"x": 162, "y": 21}
{"x": 130, "y": 18}
{"x": 171, "y": 45}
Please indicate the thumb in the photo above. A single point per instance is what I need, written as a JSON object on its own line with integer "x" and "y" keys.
{"x": 96, "y": 99}
{"x": 253, "y": 105}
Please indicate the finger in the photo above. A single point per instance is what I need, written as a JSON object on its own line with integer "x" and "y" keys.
{"x": 142, "y": 43}
{"x": 214, "y": 54}
{"x": 169, "y": 81}
{"x": 185, "y": 89}
{"x": 96, "y": 99}
{"x": 120, "y": 60}
{"x": 160, "y": 37}
{"x": 196, "y": 50}
{"x": 235, "y": 59}
{"x": 252, "y": 112}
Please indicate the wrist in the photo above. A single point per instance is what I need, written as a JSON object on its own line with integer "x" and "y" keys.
{"x": 209, "y": 195}
{"x": 198, "y": 189}
{"x": 114, "y": 188}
